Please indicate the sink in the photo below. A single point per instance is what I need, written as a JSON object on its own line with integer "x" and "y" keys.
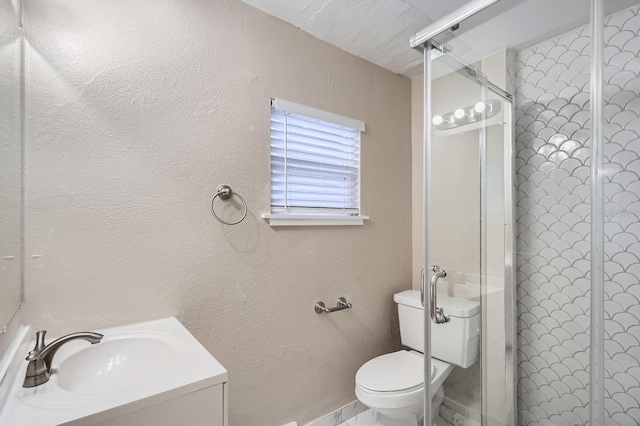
{"x": 134, "y": 367}
{"x": 115, "y": 365}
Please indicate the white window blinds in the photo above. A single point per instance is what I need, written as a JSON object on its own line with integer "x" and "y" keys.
{"x": 315, "y": 164}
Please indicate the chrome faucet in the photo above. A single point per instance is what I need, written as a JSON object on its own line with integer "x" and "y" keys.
{"x": 41, "y": 357}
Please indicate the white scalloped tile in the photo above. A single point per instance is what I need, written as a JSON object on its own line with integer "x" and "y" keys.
{"x": 553, "y": 175}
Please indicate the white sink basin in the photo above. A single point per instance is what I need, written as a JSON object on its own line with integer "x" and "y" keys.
{"x": 132, "y": 368}
{"x": 115, "y": 365}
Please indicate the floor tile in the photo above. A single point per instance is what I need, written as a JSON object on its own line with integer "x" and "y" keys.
{"x": 366, "y": 418}
{"x": 441, "y": 422}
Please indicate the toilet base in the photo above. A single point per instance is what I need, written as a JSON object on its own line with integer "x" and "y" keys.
{"x": 382, "y": 420}
{"x": 437, "y": 421}
{"x": 386, "y": 421}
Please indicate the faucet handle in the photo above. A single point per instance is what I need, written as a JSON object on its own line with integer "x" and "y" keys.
{"x": 32, "y": 356}
{"x": 37, "y": 372}
{"x": 37, "y": 365}
{"x": 40, "y": 340}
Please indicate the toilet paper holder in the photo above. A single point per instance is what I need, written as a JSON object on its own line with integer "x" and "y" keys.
{"x": 340, "y": 305}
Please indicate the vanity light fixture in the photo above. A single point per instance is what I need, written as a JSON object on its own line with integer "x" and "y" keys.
{"x": 467, "y": 115}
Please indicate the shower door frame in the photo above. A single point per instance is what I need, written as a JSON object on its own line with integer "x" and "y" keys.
{"x": 509, "y": 238}
{"x": 422, "y": 41}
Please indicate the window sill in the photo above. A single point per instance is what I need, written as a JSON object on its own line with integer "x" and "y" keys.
{"x": 315, "y": 220}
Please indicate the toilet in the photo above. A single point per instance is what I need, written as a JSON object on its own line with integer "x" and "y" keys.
{"x": 392, "y": 385}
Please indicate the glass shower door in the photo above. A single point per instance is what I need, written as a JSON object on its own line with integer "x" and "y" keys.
{"x": 468, "y": 240}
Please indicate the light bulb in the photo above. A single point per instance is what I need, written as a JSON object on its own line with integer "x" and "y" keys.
{"x": 437, "y": 120}
{"x": 459, "y": 113}
{"x": 480, "y": 107}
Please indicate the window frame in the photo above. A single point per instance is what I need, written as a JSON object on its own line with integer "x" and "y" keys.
{"x": 311, "y": 218}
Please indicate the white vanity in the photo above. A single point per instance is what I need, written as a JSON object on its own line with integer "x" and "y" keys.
{"x": 149, "y": 373}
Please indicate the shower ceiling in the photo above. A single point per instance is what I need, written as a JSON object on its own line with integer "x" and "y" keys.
{"x": 379, "y": 30}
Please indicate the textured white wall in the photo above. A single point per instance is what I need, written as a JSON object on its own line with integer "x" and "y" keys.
{"x": 10, "y": 161}
{"x": 136, "y": 112}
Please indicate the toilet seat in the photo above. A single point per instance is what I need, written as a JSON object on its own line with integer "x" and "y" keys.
{"x": 391, "y": 400}
{"x": 400, "y": 371}
{"x": 392, "y": 385}
{"x": 395, "y": 380}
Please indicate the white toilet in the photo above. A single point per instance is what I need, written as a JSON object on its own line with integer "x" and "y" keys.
{"x": 392, "y": 385}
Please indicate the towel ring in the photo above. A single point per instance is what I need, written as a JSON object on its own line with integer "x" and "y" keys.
{"x": 225, "y": 192}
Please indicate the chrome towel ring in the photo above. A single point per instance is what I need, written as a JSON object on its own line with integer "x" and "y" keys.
{"x": 225, "y": 192}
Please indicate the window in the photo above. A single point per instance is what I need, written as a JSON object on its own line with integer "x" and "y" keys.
{"x": 315, "y": 167}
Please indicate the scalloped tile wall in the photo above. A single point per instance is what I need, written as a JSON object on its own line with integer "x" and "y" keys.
{"x": 622, "y": 218}
{"x": 553, "y": 216}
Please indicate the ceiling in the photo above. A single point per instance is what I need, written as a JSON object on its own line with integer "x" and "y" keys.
{"x": 375, "y": 30}
{"x": 379, "y": 30}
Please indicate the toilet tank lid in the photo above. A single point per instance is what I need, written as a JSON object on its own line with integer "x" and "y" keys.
{"x": 453, "y": 306}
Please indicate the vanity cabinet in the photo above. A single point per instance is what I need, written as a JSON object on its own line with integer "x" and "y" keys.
{"x": 206, "y": 407}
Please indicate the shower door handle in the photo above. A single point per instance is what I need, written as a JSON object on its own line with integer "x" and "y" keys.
{"x": 422, "y": 288}
{"x": 437, "y": 314}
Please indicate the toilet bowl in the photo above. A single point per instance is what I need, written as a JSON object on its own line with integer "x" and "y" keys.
{"x": 392, "y": 385}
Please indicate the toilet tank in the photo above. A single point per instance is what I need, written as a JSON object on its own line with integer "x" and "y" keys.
{"x": 455, "y": 342}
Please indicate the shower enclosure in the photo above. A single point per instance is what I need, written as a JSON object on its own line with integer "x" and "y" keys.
{"x": 532, "y": 206}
